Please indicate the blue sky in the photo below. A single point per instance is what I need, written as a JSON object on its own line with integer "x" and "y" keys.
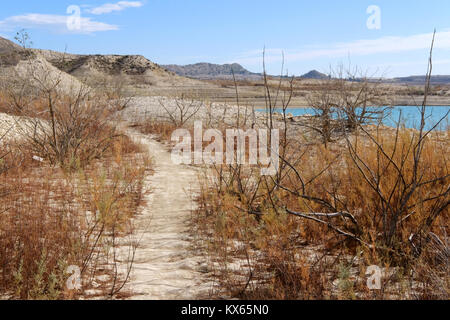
{"x": 312, "y": 34}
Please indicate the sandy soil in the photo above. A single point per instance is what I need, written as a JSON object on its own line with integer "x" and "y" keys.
{"x": 165, "y": 267}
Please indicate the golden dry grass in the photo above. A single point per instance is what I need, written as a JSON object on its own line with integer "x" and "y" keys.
{"x": 259, "y": 251}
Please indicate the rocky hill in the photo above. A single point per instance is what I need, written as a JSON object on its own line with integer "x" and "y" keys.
{"x": 10, "y": 53}
{"x": 210, "y": 71}
{"x": 107, "y": 64}
{"x": 314, "y": 74}
{"x": 20, "y": 67}
{"x": 134, "y": 71}
{"x": 7, "y": 46}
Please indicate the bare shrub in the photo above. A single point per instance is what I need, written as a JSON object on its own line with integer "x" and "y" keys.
{"x": 115, "y": 89}
{"x": 72, "y": 131}
{"x": 323, "y": 103}
{"x": 357, "y": 95}
{"x": 344, "y": 101}
{"x": 184, "y": 109}
{"x": 65, "y": 126}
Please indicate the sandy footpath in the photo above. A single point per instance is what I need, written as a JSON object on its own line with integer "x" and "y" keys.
{"x": 164, "y": 266}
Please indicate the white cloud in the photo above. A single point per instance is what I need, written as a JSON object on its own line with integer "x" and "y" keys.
{"x": 111, "y": 7}
{"x": 56, "y": 23}
{"x": 353, "y": 48}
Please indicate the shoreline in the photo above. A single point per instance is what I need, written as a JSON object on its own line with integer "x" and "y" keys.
{"x": 394, "y": 106}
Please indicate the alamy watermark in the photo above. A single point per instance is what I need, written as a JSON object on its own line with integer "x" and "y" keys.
{"x": 374, "y": 279}
{"x": 259, "y": 146}
{"x": 374, "y": 20}
{"x": 74, "y": 19}
{"x": 74, "y": 281}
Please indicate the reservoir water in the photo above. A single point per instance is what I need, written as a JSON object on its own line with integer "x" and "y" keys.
{"x": 410, "y": 116}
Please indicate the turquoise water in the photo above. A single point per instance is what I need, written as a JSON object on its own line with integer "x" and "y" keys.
{"x": 410, "y": 116}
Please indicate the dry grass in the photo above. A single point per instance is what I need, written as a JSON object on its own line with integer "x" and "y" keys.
{"x": 260, "y": 251}
{"x": 73, "y": 208}
{"x": 162, "y": 130}
{"x": 52, "y": 219}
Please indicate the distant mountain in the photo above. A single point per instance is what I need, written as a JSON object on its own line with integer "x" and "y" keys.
{"x": 314, "y": 74}
{"x": 210, "y": 71}
{"x": 420, "y": 80}
{"x": 411, "y": 80}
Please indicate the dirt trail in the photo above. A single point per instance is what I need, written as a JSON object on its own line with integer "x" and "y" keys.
{"x": 164, "y": 267}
